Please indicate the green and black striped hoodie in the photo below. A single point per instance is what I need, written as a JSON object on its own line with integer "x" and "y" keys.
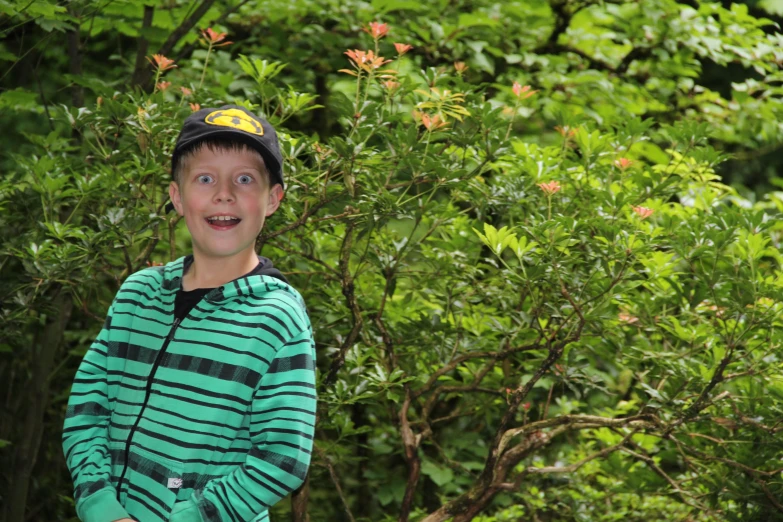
{"x": 204, "y": 419}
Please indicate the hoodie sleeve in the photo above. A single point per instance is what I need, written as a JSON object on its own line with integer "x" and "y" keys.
{"x": 85, "y": 436}
{"x": 282, "y": 423}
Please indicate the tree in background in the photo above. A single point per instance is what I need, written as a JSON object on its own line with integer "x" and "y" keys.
{"x": 533, "y": 297}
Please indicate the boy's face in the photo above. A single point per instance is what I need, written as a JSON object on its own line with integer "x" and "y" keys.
{"x": 225, "y": 200}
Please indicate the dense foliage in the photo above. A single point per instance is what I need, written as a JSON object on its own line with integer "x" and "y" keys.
{"x": 533, "y": 296}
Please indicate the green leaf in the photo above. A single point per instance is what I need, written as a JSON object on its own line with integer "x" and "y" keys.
{"x": 440, "y": 475}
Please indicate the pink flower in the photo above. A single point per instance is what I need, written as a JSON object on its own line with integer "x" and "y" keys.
{"x": 627, "y": 318}
{"x": 185, "y": 91}
{"x": 460, "y": 67}
{"x": 377, "y": 30}
{"x": 623, "y": 163}
{"x": 195, "y": 107}
{"x": 162, "y": 86}
{"x": 363, "y": 61}
{"x": 212, "y": 37}
{"x": 643, "y": 212}
{"x": 551, "y": 188}
{"x": 432, "y": 122}
{"x": 522, "y": 92}
{"x": 391, "y": 85}
{"x": 161, "y": 62}
{"x": 566, "y": 131}
{"x": 402, "y": 48}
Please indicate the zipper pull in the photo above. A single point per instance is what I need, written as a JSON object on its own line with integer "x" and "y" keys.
{"x": 173, "y": 329}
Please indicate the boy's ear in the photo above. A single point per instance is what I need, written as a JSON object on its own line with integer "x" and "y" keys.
{"x": 176, "y": 197}
{"x": 275, "y": 195}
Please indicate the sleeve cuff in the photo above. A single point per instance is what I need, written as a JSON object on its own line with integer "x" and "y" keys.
{"x": 186, "y": 511}
{"x": 101, "y": 506}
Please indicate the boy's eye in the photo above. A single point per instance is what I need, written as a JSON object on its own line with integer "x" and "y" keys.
{"x": 205, "y": 178}
{"x": 244, "y": 179}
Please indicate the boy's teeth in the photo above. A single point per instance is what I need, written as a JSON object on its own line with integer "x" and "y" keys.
{"x": 222, "y": 218}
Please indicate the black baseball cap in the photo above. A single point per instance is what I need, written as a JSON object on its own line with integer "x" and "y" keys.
{"x": 235, "y": 123}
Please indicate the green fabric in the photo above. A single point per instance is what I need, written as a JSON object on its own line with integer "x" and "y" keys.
{"x": 228, "y": 426}
{"x": 186, "y": 511}
{"x": 101, "y": 506}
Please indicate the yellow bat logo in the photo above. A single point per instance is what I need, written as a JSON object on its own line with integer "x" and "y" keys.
{"x": 236, "y": 119}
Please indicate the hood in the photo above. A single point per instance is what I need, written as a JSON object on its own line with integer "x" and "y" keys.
{"x": 263, "y": 279}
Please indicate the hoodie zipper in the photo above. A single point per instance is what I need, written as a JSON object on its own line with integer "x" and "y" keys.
{"x": 155, "y": 365}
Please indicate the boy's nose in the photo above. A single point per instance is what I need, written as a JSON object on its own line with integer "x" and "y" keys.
{"x": 223, "y": 193}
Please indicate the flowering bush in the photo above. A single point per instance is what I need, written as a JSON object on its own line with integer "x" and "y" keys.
{"x": 533, "y": 296}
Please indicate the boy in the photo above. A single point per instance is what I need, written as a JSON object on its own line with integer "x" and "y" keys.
{"x": 197, "y": 400}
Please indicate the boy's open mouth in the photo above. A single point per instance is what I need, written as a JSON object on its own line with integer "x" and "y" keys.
{"x": 223, "y": 222}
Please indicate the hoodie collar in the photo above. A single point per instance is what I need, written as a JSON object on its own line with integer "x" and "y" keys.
{"x": 261, "y": 280}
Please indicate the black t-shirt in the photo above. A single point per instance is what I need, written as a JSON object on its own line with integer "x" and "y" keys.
{"x": 185, "y": 301}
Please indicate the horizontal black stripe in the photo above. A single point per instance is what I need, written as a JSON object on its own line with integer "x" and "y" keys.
{"x": 200, "y": 403}
{"x": 289, "y": 445}
{"x": 285, "y": 408}
{"x": 90, "y": 380}
{"x": 302, "y": 361}
{"x": 154, "y": 297}
{"x": 86, "y": 361}
{"x": 180, "y": 416}
{"x": 241, "y": 324}
{"x": 295, "y": 321}
{"x": 138, "y": 304}
{"x": 146, "y": 318}
{"x": 198, "y": 461}
{"x": 221, "y": 347}
{"x": 179, "y": 427}
{"x": 138, "y": 332}
{"x": 300, "y": 384}
{"x": 225, "y": 332}
{"x": 287, "y": 464}
{"x": 283, "y": 431}
{"x": 89, "y": 488}
{"x": 212, "y": 368}
{"x": 199, "y": 391}
{"x": 182, "y": 444}
{"x": 125, "y": 375}
{"x": 87, "y": 408}
{"x": 88, "y": 392}
{"x": 282, "y": 419}
{"x": 285, "y": 393}
{"x": 132, "y": 352}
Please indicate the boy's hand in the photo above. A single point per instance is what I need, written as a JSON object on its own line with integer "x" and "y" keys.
{"x": 124, "y": 520}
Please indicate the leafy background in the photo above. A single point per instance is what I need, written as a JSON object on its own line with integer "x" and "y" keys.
{"x": 558, "y": 299}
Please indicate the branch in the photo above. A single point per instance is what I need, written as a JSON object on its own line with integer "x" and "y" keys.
{"x": 473, "y": 355}
{"x": 353, "y": 305}
{"x": 411, "y": 445}
{"x": 754, "y": 474}
{"x": 75, "y": 64}
{"x": 265, "y": 236}
{"x": 145, "y": 75}
{"x": 335, "y": 480}
{"x": 575, "y": 466}
{"x": 657, "y": 469}
{"x": 188, "y": 49}
{"x": 141, "y": 53}
{"x": 701, "y": 402}
{"x": 580, "y": 422}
